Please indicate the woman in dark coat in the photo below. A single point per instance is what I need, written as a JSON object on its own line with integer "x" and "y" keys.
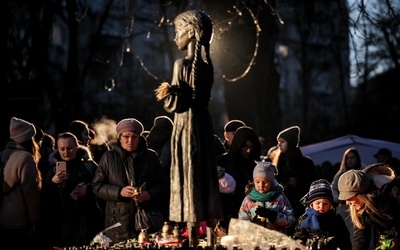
{"x": 240, "y": 159}
{"x": 239, "y": 162}
{"x": 296, "y": 172}
{"x": 373, "y": 197}
{"x": 159, "y": 139}
{"x": 129, "y": 162}
{"x": 71, "y": 213}
{"x": 194, "y": 179}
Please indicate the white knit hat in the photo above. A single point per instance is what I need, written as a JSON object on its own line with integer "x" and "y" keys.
{"x": 21, "y": 130}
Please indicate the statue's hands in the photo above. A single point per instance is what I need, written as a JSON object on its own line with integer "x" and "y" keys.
{"x": 162, "y": 91}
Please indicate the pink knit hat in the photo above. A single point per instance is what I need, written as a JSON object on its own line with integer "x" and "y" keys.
{"x": 129, "y": 124}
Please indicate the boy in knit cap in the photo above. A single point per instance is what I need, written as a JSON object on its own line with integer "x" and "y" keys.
{"x": 265, "y": 203}
{"x": 320, "y": 225}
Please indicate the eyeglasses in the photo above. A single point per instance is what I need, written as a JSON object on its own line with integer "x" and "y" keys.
{"x": 127, "y": 137}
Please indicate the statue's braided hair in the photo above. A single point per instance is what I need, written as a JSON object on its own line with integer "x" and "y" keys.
{"x": 202, "y": 24}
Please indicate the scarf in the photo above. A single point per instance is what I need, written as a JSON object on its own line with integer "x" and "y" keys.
{"x": 272, "y": 194}
{"x": 311, "y": 222}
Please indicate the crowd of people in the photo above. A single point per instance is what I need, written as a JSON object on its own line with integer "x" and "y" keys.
{"x": 59, "y": 208}
{"x": 61, "y": 191}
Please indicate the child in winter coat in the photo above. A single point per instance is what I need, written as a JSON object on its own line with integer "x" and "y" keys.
{"x": 265, "y": 203}
{"x": 320, "y": 227}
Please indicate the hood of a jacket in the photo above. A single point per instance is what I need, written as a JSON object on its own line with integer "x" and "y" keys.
{"x": 241, "y": 136}
{"x": 380, "y": 169}
{"x": 380, "y": 173}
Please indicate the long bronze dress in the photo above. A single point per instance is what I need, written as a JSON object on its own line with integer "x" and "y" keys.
{"x": 194, "y": 181}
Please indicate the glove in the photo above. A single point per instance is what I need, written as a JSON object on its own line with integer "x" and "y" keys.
{"x": 267, "y": 213}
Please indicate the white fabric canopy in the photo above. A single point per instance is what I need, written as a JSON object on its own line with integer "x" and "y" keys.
{"x": 333, "y": 150}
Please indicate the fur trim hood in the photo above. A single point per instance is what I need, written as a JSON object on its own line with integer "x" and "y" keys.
{"x": 380, "y": 173}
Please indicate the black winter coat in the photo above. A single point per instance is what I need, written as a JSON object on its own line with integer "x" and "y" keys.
{"x": 240, "y": 168}
{"x": 333, "y": 229}
{"x": 110, "y": 178}
{"x": 388, "y": 201}
{"x": 59, "y": 208}
{"x": 295, "y": 173}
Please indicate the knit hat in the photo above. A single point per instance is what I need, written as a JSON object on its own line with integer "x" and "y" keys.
{"x": 320, "y": 189}
{"x": 265, "y": 170}
{"x": 163, "y": 122}
{"x": 233, "y": 125}
{"x": 291, "y": 135}
{"x": 351, "y": 183}
{"x": 21, "y": 130}
{"x": 227, "y": 184}
{"x": 129, "y": 124}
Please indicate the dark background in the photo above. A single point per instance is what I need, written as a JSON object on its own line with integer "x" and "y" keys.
{"x": 61, "y": 59}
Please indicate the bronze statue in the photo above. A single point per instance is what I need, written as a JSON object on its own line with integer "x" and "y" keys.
{"x": 194, "y": 180}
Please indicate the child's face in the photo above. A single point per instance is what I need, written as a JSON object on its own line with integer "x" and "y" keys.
{"x": 262, "y": 185}
{"x": 182, "y": 37}
{"x": 321, "y": 205}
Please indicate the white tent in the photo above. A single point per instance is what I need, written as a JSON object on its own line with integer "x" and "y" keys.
{"x": 333, "y": 150}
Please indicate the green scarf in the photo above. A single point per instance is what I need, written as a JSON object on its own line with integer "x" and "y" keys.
{"x": 272, "y": 194}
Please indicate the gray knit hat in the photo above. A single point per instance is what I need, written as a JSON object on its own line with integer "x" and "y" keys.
{"x": 129, "y": 124}
{"x": 265, "y": 170}
{"x": 351, "y": 183}
{"x": 21, "y": 130}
